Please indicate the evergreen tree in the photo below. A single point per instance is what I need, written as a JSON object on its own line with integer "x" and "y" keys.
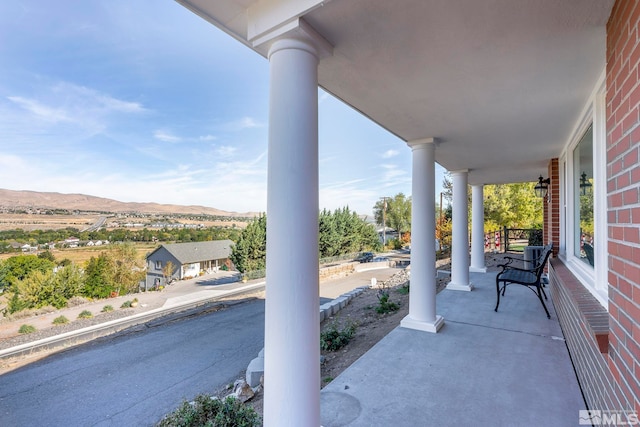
{"x": 249, "y": 252}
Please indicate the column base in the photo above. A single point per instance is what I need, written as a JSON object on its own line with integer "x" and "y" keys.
{"x": 456, "y": 287}
{"x": 420, "y": 325}
{"x": 477, "y": 269}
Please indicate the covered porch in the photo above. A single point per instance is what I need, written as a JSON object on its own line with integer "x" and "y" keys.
{"x": 495, "y": 92}
{"x": 483, "y": 368}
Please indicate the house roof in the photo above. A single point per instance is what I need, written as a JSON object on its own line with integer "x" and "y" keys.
{"x": 501, "y": 84}
{"x": 191, "y": 252}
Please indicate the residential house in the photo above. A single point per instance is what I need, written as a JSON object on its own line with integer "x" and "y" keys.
{"x": 188, "y": 259}
{"x": 495, "y": 92}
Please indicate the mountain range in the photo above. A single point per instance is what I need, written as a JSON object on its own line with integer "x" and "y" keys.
{"x": 23, "y": 199}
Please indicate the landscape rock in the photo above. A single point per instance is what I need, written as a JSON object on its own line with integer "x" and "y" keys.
{"x": 243, "y": 391}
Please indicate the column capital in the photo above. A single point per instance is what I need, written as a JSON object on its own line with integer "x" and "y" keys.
{"x": 297, "y": 34}
{"x": 459, "y": 171}
{"x": 423, "y": 142}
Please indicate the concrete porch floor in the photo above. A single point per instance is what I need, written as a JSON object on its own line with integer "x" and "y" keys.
{"x": 482, "y": 368}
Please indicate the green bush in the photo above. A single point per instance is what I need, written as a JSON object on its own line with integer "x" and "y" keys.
{"x": 210, "y": 411}
{"x": 334, "y": 338}
{"x": 126, "y": 304}
{"x": 27, "y": 329}
{"x": 535, "y": 237}
{"x": 384, "y": 305}
{"x": 404, "y": 289}
{"x": 107, "y": 308}
{"x": 85, "y": 314}
{"x": 60, "y": 320}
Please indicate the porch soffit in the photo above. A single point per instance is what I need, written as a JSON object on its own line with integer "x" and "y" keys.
{"x": 501, "y": 84}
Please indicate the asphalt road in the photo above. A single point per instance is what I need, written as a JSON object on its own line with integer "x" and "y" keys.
{"x": 134, "y": 379}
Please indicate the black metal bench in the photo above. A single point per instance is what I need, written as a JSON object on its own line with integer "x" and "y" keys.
{"x": 531, "y": 278}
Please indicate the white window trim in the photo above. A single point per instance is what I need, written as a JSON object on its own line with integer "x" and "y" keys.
{"x": 594, "y": 279}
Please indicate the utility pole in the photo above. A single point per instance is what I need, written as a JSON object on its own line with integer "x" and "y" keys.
{"x": 384, "y": 222}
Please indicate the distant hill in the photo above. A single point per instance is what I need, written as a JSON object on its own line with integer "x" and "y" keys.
{"x": 10, "y": 199}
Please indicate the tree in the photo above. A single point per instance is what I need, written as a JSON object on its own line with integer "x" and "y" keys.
{"x": 18, "y": 267}
{"x": 397, "y": 214}
{"x": 512, "y": 206}
{"x": 167, "y": 272}
{"x": 98, "y": 277}
{"x": 343, "y": 232}
{"x": 249, "y": 252}
{"x": 125, "y": 267}
{"x": 340, "y": 232}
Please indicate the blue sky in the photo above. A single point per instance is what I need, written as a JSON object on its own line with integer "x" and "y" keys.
{"x": 143, "y": 101}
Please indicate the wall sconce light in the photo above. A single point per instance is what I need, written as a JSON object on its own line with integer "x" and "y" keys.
{"x": 584, "y": 183}
{"x": 542, "y": 187}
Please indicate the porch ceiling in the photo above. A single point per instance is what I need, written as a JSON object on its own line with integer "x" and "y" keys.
{"x": 500, "y": 83}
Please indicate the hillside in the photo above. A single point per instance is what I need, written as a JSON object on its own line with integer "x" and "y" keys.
{"x": 10, "y": 199}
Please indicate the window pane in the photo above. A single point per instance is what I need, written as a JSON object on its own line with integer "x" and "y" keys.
{"x": 583, "y": 198}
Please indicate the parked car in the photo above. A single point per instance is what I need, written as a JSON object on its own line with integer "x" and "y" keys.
{"x": 365, "y": 257}
{"x": 380, "y": 259}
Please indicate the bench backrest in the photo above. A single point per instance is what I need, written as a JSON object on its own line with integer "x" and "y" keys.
{"x": 542, "y": 261}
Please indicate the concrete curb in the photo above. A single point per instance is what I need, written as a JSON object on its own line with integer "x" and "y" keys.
{"x": 255, "y": 370}
{"x": 178, "y": 309}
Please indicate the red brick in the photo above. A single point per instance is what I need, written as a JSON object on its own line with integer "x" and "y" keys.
{"x": 631, "y": 234}
{"x": 631, "y": 158}
{"x": 615, "y": 200}
{"x": 635, "y": 175}
{"x": 616, "y": 167}
{"x": 623, "y": 180}
{"x": 632, "y": 272}
{"x": 630, "y": 197}
{"x": 634, "y": 314}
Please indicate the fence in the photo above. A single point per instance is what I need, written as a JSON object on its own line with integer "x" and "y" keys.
{"x": 512, "y": 239}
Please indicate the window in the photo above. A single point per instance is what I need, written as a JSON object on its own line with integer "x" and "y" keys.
{"x": 582, "y": 183}
{"x": 158, "y": 265}
{"x": 583, "y": 200}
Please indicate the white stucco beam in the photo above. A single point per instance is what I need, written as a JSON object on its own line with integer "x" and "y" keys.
{"x": 297, "y": 29}
{"x": 268, "y": 15}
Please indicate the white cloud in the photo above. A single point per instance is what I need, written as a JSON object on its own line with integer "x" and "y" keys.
{"x": 207, "y": 138}
{"x": 225, "y": 151}
{"x": 166, "y": 136}
{"x": 40, "y": 110}
{"x": 241, "y": 124}
{"x": 84, "y": 97}
{"x": 390, "y": 153}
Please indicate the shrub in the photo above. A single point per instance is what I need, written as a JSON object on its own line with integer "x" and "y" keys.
{"x": 535, "y": 237}
{"x": 126, "y": 304}
{"x": 384, "y": 305}
{"x": 60, "y": 320}
{"x": 27, "y": 329}
{"x": 404, "y": 289}
{"x": 334, "y": 338}
{"x": 85, "y": 314}
{"x": 76, "y": 301}
{"x": 107, "y": 308}
{"x": 210, "y": 411}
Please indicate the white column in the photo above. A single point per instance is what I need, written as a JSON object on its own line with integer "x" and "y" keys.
{"x": 460, "y": 234}
{"x": 477, "y": 229}
{"x": 292, "y": 327}
{"x": 422, "y": 299}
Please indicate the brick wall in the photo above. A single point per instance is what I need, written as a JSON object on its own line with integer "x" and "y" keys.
{"x": 623, "y": 198}
{"x": 584, "y": 323}
{"x": 552, "y": 208}
{"x": 605, "y": 345}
